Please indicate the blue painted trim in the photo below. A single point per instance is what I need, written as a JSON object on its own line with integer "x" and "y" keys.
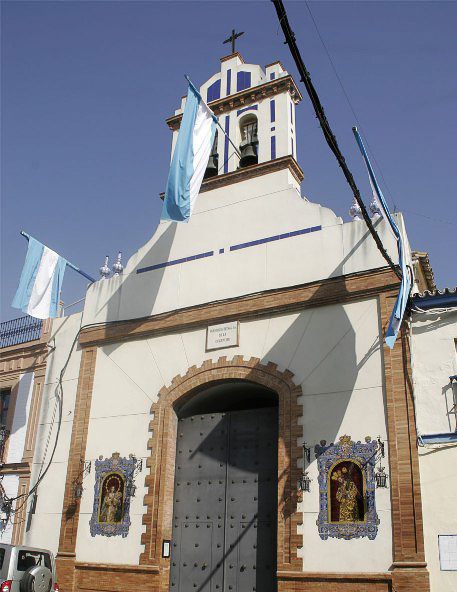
{"x": 252, "y": 108}
{"x": 272, "y": 111}
{"x": 437, "y": 438}
{"x": 273, "y": 147}
{"x": 175, "y": 262}
{"x": 229, "y": 81}
{"x": 292, "y": 142}
{"x": 232, "y": 248}
{"x": 436, "y": 301}
{"x": 214, "y": 91}
{"x": 226, "y": 143}
{"x": 291, "y": 114}
{"x": 273, "y": 129}
{"x": 243, "y": 80}
{"x": 270, "y": 239}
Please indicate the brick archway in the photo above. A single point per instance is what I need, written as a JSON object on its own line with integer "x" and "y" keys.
{"x": 162, "y": 444}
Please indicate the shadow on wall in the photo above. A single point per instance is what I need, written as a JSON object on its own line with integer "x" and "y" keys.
{"x": 129, "y": 287}
{"x": 440, "y": 320}
{"x": 320, "y": 348}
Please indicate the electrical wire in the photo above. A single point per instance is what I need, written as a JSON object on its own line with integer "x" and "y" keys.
{"x": 59, "y": 393}
{"x": 328, "y": 134}
{"x": 359, "y": 125}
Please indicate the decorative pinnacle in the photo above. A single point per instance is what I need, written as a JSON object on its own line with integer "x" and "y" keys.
{"x": 105, "y": 270}
{"x": 375, "y": 210}
{"x": 355, "y": 210}
{"x": 118, "y": 268}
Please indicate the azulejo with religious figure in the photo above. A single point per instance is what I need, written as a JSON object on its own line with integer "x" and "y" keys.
{"x": 111, "y": 511}
{"x": 347, "y": 507}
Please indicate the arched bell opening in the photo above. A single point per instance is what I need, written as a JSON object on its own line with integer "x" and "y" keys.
{"x": 248, "y": 127}
{"x": 225, "y": 498}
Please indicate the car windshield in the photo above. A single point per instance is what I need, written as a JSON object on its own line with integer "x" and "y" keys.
{"x": 27, "y": 559}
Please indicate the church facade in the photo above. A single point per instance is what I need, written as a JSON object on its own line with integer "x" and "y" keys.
{"x": 230, "y": 410}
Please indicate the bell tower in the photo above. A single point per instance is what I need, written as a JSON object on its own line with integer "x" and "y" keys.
{"x": 256, "y": 109}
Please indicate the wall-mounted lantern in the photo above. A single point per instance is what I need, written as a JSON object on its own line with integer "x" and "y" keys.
{"x": 304, "y": 482}
{"x": 78, "y": 482}
{"x": 130, "y": 488}
{"x": 380, "y": 475}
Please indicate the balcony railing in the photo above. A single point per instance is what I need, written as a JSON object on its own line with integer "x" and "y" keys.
{"x": 20, "y": 330}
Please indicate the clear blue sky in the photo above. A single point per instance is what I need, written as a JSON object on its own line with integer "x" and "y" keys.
{"x": 86, "y": 87}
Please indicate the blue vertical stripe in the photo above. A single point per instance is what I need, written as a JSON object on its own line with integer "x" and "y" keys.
{"x": 273, "y": 147}
{"x": 214, "y": 91}
{"x": 291, "y": 117}
{"x": 243, "y": 80}
{"x": 272, "y": 111}
{"x": 226, "y": 143}
{"x": 229, "y": 81}
{"x": 292, "y": 144}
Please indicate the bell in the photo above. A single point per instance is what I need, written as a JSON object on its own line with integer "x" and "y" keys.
{"x": 248, "y": 154}
{"x": 212, "y": 166}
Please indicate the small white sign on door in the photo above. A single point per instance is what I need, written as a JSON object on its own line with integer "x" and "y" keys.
{"x": 220, "y": 336}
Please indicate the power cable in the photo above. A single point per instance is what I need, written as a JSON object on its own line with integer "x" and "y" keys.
{"x": 328, "y": 134}
{"x": 349, "y": 102}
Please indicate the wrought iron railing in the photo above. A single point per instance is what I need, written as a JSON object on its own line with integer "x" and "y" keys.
{"x": 20, "y": 330}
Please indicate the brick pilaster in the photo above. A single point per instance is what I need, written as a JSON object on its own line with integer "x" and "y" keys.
{"x": 70, "y": 511}
{"x": 409, "y": 567}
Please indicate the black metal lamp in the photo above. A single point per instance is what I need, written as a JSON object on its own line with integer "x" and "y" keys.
{"x": 79, "y": 489}
{"x": 78, "y": 483}
{"x": 381, "y": 477}
{"x": 130, "y": 488}
{"x": 303, "y": 483}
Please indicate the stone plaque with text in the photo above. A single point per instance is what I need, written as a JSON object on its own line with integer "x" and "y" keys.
{"x": 224, "y": 335}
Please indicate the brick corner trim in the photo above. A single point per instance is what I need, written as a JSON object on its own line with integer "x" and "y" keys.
{"x": 162, "y": 444}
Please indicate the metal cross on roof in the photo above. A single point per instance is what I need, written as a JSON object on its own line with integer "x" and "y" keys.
{"x": 232, "y": 38}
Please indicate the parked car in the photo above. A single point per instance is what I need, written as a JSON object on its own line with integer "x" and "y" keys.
{"x": 27, "y": 569}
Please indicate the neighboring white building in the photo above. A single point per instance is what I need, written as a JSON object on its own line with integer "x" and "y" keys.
{"x": 434, "y": 355}
{"x": 264, "y": 310}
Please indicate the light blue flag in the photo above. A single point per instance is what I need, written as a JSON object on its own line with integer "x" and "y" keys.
{"x": 39, "y": 288}
{"x": 190, "y": 158}
{"x": 405, "y": 286}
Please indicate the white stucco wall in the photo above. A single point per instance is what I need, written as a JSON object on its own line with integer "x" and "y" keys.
{"x": 43, "y": 527}
{"x": 434, "y": 361}
{"x": 334, "y": 353}
{"x": 255, "y": 209}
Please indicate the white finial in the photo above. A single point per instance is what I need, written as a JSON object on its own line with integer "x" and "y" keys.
{"x": 375, "y": 210}
{"x": 355, "y": 210}
{"x": 105, "y": 270}
{"x": 118, "y": 268}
